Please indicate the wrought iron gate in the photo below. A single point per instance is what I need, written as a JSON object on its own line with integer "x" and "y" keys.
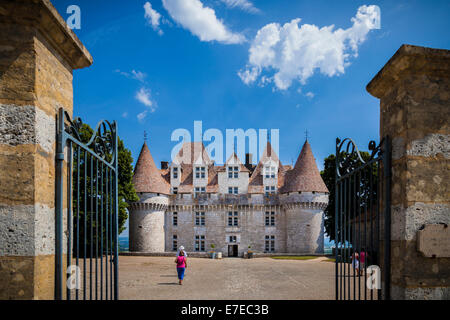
{"x": 89, "y": 238}
{"x": 362, "y": 221}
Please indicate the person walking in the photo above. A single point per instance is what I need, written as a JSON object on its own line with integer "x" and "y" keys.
{"x": 182, "y": 248}
{"x": 362, "y": 260}
{"x": 181, "y": 262}
{"x": 355, "y": 262}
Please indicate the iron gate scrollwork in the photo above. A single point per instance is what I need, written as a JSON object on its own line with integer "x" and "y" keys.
{"x": 90, "y": 237}
{"x": 362, "y": 221}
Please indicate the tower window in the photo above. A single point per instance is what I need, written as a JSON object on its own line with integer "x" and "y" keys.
{"x": 270, "y": 218}
{"x": 199, "y": 190}
{"x": 200, "y": 218}
{"x": 199, "y": 243}
{"x": 270, "y": 171}
{"x": 270, "y": 190}
{"x": 233, "y": 219}
{"x": 175, "y": 218}
{"x": 270, "y": 244}
{"x": 233, "y": 190}
{"x": 200, "y": 172}
{"x": 175, "y": 173}
{"x": 174, "y": 242}
{"x": 233, "y": 172}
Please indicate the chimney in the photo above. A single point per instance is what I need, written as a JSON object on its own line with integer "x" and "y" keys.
{"x": 164, "y": 165}
{"x": 248, "y": 159}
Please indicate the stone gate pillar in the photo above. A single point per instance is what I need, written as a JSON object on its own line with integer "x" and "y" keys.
{"x": 37, "y": 55}
{"x": 414, "y": 92}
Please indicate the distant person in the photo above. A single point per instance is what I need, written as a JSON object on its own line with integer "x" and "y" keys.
{"x": 355, "y": 262}
{"x": 180, "y": 260}
{"x": 362, "y": 260}
{"x": 182, "y": 248}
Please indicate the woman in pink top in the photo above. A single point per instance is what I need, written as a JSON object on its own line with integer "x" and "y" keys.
{"x": 362, "y": 259}
{"x": 181, "y": 262}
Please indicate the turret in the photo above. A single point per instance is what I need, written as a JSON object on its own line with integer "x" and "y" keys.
{"x": 147, "y": 215}
{"x": 305, "y": 197}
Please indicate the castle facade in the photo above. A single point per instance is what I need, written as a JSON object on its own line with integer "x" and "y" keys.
{"x": 268, "y": 207}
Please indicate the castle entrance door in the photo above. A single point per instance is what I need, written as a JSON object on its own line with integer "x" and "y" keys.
{"x": 233, "y": 250}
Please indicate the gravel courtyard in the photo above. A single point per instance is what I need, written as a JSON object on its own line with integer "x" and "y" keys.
{"x": 228, "y": 278}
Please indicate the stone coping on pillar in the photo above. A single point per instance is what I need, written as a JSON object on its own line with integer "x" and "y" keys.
{"x": 407, "y": 60}
{"x": 42, "y": 15}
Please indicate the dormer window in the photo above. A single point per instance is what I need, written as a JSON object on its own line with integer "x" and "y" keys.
{"x": 233, "y": 172}
{"x": 233, "y": 190}
{"x": 175, "y": 190}
{"x": 198, "y": 190}
{"x": 175, "y": 173}
{"x": 270, "y": 190}
{"x": 270, "y": 172}
{"x": 200, "y": 172}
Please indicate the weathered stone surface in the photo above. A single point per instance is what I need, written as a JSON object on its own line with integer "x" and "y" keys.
{"x": 38, "y": 52}
{"x": 26, "y": 125}
{"x": 16, "y": 277}
{"x": 437, "y": 293}
{"x": 414, "y": 92}
{"x": 411, "y": 269}
{"x": 406, "y": 222}
{"x": 434, "y": 241}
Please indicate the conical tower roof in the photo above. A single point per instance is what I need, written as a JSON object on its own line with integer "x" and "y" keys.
{"x": 305, "y": 175}
{"x": 147, "y": 177}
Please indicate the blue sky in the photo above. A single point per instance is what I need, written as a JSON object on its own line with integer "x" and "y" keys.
{"x": 188, "y": 72}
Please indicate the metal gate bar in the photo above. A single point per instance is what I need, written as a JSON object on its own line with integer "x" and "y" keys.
{"x": 92, "y": 210}
{"x": 358, "y": 194}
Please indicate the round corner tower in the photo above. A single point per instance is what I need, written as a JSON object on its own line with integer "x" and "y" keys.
{"x": 147, "y": 215}
{"x": 305, "y": 197}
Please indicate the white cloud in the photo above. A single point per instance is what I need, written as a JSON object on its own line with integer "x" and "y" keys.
{"x": 141, "y": 116}
{"x": 125, "y": 115}
{"x": 201, "y": 21}
{"x": 244, "y": 5}
{"x": 310, "y": 95}
{"x": 295, "y": 53}
{"x": 136, "y": 75}
{"x": 152, "y": 17}
{"x": 144, "y": 97}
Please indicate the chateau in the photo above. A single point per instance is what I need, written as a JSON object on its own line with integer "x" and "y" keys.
{"x": 192, "y": 202}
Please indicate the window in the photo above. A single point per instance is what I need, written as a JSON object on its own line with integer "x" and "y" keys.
{"x": 270, "y": 190}
{"x": 175, "y": 218}
{"x": 199, "y": 190}
{"x": 233, "y": 172}
{"x": 233, "y": 190}
{"x": 174, "y": 242}
{"x": 200, "y": 172}
{"x": 270, "y": 218}
{"x": 233, "y": 239}
{"x": 175, "y": 190}
{"x": 270, "y": 171}
{"x": 175, "y": 173}
{"x": 199, "y": 218}
{"x": 233, "y": 219}
{"x": 199, "y": 243}
{"x": 270, "y": 244}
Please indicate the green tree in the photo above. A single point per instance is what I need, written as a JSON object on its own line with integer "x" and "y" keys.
{"x": 362, "y": 194}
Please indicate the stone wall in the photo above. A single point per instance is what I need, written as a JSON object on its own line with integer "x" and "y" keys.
{"x": 298, "y": 222}
{"x": 414, "y": 92}
{"x": 37, "y": 55}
